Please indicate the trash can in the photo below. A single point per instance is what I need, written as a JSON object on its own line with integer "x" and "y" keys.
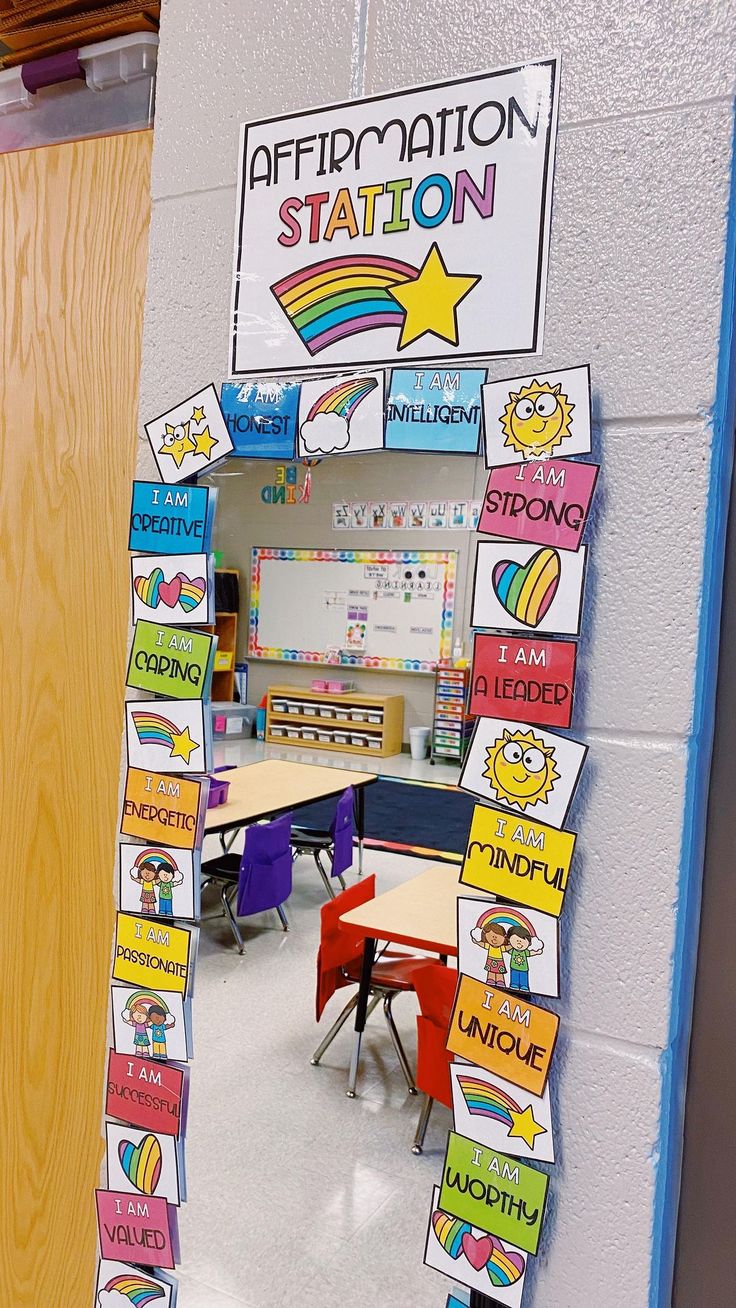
{"x": 419, "y": 741}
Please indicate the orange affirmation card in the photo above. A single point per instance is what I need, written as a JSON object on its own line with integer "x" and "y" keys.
{"x": 496, "y": 1029}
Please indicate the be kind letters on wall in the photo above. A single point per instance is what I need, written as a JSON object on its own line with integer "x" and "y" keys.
{"x": 400, "y": 227}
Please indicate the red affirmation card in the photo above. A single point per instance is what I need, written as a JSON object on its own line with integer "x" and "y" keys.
{"x": 522, "y": 678}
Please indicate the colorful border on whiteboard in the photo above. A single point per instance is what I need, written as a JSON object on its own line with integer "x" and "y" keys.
{"x": 348, "y": 660}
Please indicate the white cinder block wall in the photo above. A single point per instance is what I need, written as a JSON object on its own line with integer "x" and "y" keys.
{"x": 635, "y": 287}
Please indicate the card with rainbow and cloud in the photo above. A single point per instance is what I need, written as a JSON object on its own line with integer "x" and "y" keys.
{"x": 341, "y": 415}
{"x": 169, "y": 735}
{"x": 541, "y": 416}
{"x": 191, "y": 438}
{"x": 119, "y": 1285}
{"x": 145, "y": 1163}
{"x": 501, "y": 1115}
{"x": 528, "y": 588}
{"x": 505, "y": 945}
{"x": 179, "y": 588}
{"x": 526, "y": 770}
{"x": 474, "y": 1258}
{"x": 142, "y": 1017}
{"x": 159, "y": 881}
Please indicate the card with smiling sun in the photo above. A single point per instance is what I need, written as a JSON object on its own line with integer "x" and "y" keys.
{"x": 523, "y": 769}
{"x": 191, "y": 438}
{"x": 544, "y": 415}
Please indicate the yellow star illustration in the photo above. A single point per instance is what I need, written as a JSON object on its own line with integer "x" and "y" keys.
{"x": 198, "y": 415}
{"x": 430, "y": 301}
{"x": 525, "y": 1127}
{"x": 203, "y": 442}
{"x": 182, "y": 745}
{"x": 177, "y": 442}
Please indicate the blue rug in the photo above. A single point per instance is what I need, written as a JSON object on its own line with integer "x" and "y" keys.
{"x": 409, "y": 817}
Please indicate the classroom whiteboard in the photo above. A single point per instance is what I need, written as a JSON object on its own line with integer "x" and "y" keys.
{"x": 304, "y": 602}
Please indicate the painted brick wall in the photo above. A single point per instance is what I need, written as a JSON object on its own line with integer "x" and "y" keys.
{"x": 635, "y": 287}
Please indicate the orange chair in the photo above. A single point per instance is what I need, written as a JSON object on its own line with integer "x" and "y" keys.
{"x": 435, "y": 987}
{"x": 339, "y": 964}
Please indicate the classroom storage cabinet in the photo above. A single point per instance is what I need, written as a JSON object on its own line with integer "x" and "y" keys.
{"x": 348, "y": 722}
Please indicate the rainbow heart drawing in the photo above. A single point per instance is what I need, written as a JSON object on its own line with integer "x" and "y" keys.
{"x": 335, "y": 298}
{"x": 450, "y": 1232}
{"x": 141, "y": 1163}
{"x": 185, "y": 591}
{"x": 526, "y": 590}
{"x": 477, "y": 1249}
{"x": 504, "y": 1266}
{"x": 137, "y": 1288}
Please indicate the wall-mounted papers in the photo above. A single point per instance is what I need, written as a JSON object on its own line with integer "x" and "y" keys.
{"x": 152, "y": 953}
{"x": 261, "y": 417}
{"x": 534, "y": 678}
{"x": 141, "y": 1229}
{"x": 341, "y": 415}
{"x": 433, "y": 411}
{"x": 141, "y": 1162}
{"x": 501, "y": 1115}
{"x": 119, "y": 1285}
{"x": 538, "y": 416}
{"x": 518, "y": 859}
{"x": 523, "y": 769}
{"x": 493, "y": 1191}
{"x": 191, "y": 438}
{"x": 168, "y": 520}
{"x": 152, "y": 1024}
{"x": 503, "y": 1033}
{"x": 505, "y": 945}
{"x": 528, "y": 588}
{"x": 157, "y": 807}
{"x": 397, "y": 227}
{"x": 147, "y": 1093}
{"x": 170, "y": 661}
{"x": 545, "y": 501}
{"x": 159, "y": 880}
{"x": 175, "y": 734}
{"x": 467, "y": 1253}
{"x": 180, "y": 589}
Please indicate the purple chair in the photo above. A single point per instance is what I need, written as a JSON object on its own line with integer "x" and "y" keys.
{"x": 337, "y": 843}
{"x": 260, "y": 876}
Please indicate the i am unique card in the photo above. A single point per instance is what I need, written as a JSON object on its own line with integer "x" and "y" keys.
{"x": 503, "y": 1033}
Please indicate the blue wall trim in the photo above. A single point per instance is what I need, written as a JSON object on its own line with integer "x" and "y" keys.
{"x": 674, "y": 1060}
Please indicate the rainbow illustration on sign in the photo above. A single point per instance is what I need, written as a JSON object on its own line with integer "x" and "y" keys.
{"x": 156, "y": 858}
{"x": 526, "y": 591}
{"x": 484, "y": 1100}
{"x": 141, "y": 1163}
{"x": 506, "y": 917}
{"x": 185, "y": 591}
{"x": 138, "y": 1289}
{"x": 335, "y": 298}
{"x": 504, "y": 1267}
{"x": 146, "y": 999}
{"x": 343, "y": 398}
{"x": 153, "y": 729}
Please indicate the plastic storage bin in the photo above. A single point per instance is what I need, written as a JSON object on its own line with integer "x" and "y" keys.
{"x": 218, "y": 792}
{"x": 97, "y": 90}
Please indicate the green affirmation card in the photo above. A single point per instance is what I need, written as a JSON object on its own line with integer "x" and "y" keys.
{"x": 494, "y": 1192}
{"x": 171, "y": 661}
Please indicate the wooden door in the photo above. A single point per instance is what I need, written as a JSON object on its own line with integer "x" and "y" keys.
{"x": 73, "y": 241}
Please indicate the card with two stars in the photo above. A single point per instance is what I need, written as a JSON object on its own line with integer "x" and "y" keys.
{"x": 191, "y": 438}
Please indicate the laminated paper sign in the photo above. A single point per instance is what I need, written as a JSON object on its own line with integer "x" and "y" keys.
{"x": 518, "y": 859}
{"x": 398, "y": 227}
{"x": 545, "y": 414}
{"x": 494, "y": 1192}
{"x": 159, "y": 880}
{"x": 523, "y": 769}
{"x": 534, "y": 678}
{"x": 175, "y": 734}
{"x": 498, "y": 1114}
{"x": 166, "y": 520}
{"x": 469, "y": 1255}
{"x": 545, "y": 501}
{"x": 528, "y": 588}
{"x": 262, "y": 418}
{"x": 171, "y": 662}
{"x": 341, "y": 415}
{"x": 503, "y": 1033}
{"x": 120, "y": 1285}
{"x": 158, "y": 807}
{"x": 434, "y": 411}
{"x": 141, "y": 1162}
{"x": 153, "y": 953}
{"x": 141, "y": 1229}
{"x": 191, "y": 438}
{"x": 180, "y": 589}
{"x": 505, "y": 945}
{"x": 148, "y": 1094}
{"x": 151, "y": 1024}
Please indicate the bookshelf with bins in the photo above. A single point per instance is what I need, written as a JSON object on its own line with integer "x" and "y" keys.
{"x": 349, "y": 722}
{"x": 453, "y": 725}
{"x": 226, "y": 630}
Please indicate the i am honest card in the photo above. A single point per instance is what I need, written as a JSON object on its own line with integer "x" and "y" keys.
{"x": 150, "y": 1095}
{"x": 509, "y": 947}
{"x": 503, "y": 1033}
{"x": 501, "y": 1115}
{"x": 141, "y": 1162}
{"x": 170, "y": 661}
{"x": 152, "y": 953}
{"x": 142, "y": 1229}
{"x": 166, "y": 521}
{"x": 151, "y": 1024}
{"x": 181, "y": 587}
{"x": 494, "y": 1192}
{"x": 175, "y": 734}
{"x": 158, "y": 880}
{"x": 518, "y": 859}
{"x": 535, "y": 417}
{"x": 523, "y": 769}
{"x": 535, "y": 678}
{"x": 469, "y": 1255}
{"x": 190, "y": 438}
{"x": 528, "y": 589}
{"x": 120, "y": 1285}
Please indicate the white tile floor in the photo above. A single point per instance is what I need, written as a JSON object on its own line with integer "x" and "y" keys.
{"x": 299, "y": 1195}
